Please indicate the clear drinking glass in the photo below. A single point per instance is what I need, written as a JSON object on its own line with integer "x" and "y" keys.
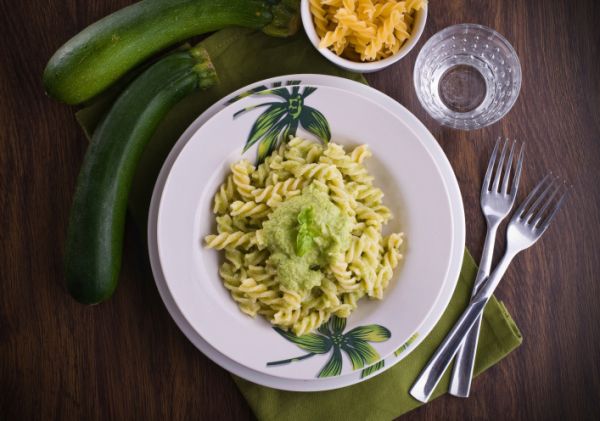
{"x": 467, "y": 76}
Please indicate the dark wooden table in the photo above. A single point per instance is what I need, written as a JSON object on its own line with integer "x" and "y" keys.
{"x": 126, "y": 359}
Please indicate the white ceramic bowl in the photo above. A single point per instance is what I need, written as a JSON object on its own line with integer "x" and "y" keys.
{"x": 362, "y": 67}
{"x": 405, "y": 170}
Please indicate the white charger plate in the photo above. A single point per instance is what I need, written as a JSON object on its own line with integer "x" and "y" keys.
{"x": 415, "y": 336}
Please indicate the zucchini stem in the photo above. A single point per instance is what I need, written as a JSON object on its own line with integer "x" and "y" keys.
{"x": 207, "y": 76}
{"x": 286, "y": 19}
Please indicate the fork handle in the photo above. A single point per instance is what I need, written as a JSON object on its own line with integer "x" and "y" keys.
{"x": 464, "y": 363}
{"x": 485, "y": 264}
{"x": 435, "y": 368}
{"x": 433, "y": 371}
{"x": 462, "y": 373}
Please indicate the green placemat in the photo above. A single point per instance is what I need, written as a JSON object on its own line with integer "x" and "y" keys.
{"x": 242, "y": 57}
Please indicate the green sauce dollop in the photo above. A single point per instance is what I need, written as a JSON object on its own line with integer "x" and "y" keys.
{"x": 302, "y": 234}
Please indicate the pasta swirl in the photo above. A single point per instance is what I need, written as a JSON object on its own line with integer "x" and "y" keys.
{"x": 249, "y": 195}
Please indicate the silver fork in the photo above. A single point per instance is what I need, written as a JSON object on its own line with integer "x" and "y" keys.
{"x": 527, "y": 225}
{"x": 496, "y": 202}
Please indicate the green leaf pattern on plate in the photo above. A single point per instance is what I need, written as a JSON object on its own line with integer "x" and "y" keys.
{"x": 330, "y": 337}
{"x": 282, "y": 118}
{"x": 380, "y": 364}
{"x": 406, "y": 344}
{"x": 334, "y": 365}
{"x": 372, "y": 369}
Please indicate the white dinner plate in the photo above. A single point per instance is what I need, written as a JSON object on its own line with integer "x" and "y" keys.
{"x": 414, "y": 190}
{"x": 260, "y": 344}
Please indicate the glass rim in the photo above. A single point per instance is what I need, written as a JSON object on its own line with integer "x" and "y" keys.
{"x": 446, "y": 33}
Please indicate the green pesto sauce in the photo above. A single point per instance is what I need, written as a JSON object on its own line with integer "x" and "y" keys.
{"x": 330, "y": 229}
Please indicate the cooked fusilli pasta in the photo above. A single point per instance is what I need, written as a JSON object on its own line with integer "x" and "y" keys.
{"x": 250, "y": 195}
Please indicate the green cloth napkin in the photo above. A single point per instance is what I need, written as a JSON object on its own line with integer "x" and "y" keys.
{"x": 241, "y": 57}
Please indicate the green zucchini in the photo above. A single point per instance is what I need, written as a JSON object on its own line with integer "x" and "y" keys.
{"x": 104, "y": 51}
{"x": 97, "y": 221}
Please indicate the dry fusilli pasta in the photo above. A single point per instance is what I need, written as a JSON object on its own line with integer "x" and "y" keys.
{"x": 364, "y": 30}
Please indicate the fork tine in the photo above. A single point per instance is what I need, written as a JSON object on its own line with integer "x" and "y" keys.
{"x": 554, "y": 211}
{"x": 517, "y": 177}
{"x": 530, "y": 197}
{"x": 499, "y": 167}
{"x": 533, "y": 209}
{"x": 490, "y": 168}
{"x": 508, "y": 168}
{"x": 547, "y": 202}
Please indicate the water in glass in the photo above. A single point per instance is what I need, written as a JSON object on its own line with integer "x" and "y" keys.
{"x": 467, "y": 76}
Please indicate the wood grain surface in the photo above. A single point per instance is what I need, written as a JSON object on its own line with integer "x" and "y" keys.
{"x": 126, "y": 359}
